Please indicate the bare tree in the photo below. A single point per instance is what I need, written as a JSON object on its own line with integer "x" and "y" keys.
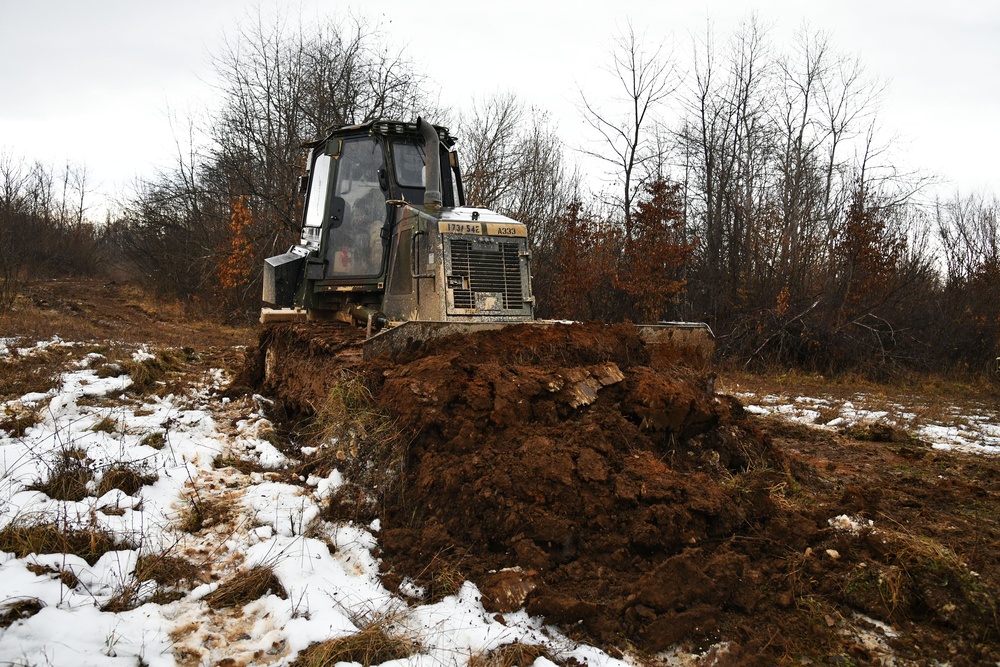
{"x": 645, "y": 78}
{"x": 13, "y": 179}
{"x": 729, "y": 145}
{"x": 490, "y": 142}
{"x": 281, "y": 85}
{"x": 969, "y": 231}
{"x": 513, "y": 162}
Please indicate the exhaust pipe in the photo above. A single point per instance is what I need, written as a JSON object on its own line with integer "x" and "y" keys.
{"x": 432, "y": 166}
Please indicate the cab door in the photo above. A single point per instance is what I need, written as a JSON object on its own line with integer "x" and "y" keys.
{"x": 355, "y": 247}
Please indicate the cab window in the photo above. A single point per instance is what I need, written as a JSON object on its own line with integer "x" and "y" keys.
{"x": 408, "y": 158}
{"x": 316, "y": 202}
{"x": 355, "y": 246}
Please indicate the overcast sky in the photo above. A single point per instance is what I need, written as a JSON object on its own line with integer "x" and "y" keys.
{"x": 97, "y": 82}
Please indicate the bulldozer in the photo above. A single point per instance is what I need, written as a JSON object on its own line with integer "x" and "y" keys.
{"x": 388, "y": 243}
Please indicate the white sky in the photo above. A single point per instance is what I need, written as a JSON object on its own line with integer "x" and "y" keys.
{"x": 96, "y": 82}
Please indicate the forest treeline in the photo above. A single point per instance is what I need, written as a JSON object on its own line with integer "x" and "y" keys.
{"x": 752, "y": 190}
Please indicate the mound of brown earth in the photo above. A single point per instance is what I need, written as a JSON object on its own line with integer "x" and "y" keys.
{"x": 635, "y": 507}
{"x": 559, "y": 452}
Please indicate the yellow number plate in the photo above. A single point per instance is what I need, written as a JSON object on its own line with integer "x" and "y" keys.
{"x": 495, "y": 229}
{"x": 460, "y": 227}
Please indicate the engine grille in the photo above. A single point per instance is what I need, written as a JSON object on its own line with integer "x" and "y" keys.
{"x": 492, "y": 268}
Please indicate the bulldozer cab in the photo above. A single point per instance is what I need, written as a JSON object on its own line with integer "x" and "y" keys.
{"x": 352, "y": 179}
{"x": 354, "y": 208}
{"x": 359, "y": 180}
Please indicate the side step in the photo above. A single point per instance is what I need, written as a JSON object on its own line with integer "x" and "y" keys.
{"x": 283, "y": 315}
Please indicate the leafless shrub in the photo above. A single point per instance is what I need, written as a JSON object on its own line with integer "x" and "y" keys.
{"x": 69, "y": 476}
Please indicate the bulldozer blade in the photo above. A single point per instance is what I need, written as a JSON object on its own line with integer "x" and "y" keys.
{"x": 673, "y": 342}
{"x": 410, "y": 336}
{"x": 669, "y": 343}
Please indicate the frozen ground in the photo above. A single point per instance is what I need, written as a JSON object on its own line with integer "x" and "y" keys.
{"x": 327, "y": 570}
{"x": 189, "y": 446}
{"x": 970, "y": 427}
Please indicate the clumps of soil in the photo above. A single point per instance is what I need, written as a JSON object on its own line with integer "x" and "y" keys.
{"x": 560, "y": 455}
{"x": 557, "y": 469}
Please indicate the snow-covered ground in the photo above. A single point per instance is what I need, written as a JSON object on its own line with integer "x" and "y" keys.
{"x": 327, "y": 569}
{"x": 971, "y": 428}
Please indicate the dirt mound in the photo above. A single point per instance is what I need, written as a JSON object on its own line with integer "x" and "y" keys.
{"x": 636, "y": 507}
{"x": 560, "y": 452}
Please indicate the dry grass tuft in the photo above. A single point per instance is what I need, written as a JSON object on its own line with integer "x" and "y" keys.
{"x": 39, "y": 323}
{"x": 126, "y": 477}
{"x": 174, "y": 577}
{"x": 511, "y": 655}
{"x": 206, "y": 512}
{"x": 156, "y": 439}
{"x": 369, "y": 444}
{"x": 23, "y": 539}
{"x": 916, "y": 576}
{"x": 68, "y": 579}
{"x": 105, "y": 425}
{"x": 167, "y": 569}
{"x": 245, "y": 466}
{"x": 18, "y": 419}
{"x": 877, "y": 432}
{"x": 69, "y": 476}
{"x": 245, "y": 587}
{"x": 32, "y": 373}
{"x": 446, "y": 580}
{"x": 12, "y": 611}
{"x": 350, "y": 502}
{"x": 375, "y": 644}
{"x": 147, "y": 373}
{"x": 110, "y": 370}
